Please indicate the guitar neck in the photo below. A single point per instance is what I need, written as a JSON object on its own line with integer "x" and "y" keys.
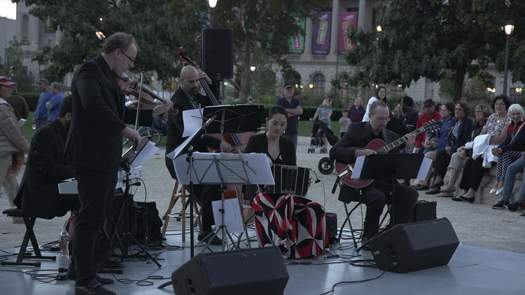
{"x": 403, "y": 139}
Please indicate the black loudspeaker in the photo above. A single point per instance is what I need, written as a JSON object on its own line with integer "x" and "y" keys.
{"x": 414, "y": 246}
{"x": 251, "y": 271}
{"x": 217, "y": 54}
{"x": 425, "y": 210}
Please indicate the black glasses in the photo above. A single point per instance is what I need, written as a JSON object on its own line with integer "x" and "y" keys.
{"x": 129, "y": 57}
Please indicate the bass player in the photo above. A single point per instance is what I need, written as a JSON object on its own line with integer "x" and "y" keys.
{"x": 382, "y": 191}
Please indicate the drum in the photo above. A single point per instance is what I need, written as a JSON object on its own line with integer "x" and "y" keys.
{"x": 289, "y": 179}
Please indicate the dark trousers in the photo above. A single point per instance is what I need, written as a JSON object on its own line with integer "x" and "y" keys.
{"x": 205, "y": 194}
{"x": 403, "y": 200}
{"x": 441, "y": 163}
{"x": 473, "y": 172}
{"x": 95, "y": 192}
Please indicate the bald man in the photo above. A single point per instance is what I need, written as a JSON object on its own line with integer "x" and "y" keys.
{"x": 188, "y": 97}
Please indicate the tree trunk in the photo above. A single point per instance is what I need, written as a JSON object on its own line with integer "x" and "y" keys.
{"x": 245, "y": 81}
{"x": 458, "y": 83}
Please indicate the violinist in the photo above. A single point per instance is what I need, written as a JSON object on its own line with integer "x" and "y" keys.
{"x": 187, "y": 97}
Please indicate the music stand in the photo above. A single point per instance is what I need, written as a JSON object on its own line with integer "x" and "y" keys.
{"x": 224, "y": 168}
{"x": 389, "y": 167}
{"x": 234, "y": 118}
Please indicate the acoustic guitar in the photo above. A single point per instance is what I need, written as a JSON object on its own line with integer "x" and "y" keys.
{"x": 345, "y": 170}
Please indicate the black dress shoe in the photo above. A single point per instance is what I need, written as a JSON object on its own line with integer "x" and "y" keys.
{"x": 434, "y": 191}
{"x": 421, "y": 187}
{"x": 103, "y": 281}
{"x": 468, "y": 199}
{"x": 93, "y": 287}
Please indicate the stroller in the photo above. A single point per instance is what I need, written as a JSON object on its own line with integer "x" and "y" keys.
{"x": 320, "y": 130}
{"x": 316, "y": 139}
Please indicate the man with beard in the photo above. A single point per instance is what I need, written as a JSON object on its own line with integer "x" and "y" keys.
{"x": 188, "y": 97}
{"x": 382, "y": 191}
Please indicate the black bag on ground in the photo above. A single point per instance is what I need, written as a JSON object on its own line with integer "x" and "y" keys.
{"x": 147, "y": 223}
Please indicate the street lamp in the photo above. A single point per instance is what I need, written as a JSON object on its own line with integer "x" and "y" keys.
{"x": 212, "y": 3}
{"x": 508, "y": 32}
{"x": 379, "y": 29}
{"x": 252, "y": 68}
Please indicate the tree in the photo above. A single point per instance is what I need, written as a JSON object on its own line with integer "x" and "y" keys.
{"x": 13, "y": 66}
{"x": 161, "y": 26}
{"x": 429, "y": 37}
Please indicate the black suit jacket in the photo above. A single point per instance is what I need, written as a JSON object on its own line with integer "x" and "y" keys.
{"x": 95, "y": 136}
{"x": 357, "y": 137}
{"x": 181, "y": 102}
{"x": 38, "y": 193}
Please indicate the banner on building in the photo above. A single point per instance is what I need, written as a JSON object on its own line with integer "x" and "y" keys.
{"x": 321, "y": 30}
{"x": 347, "y": 22}
{"x": 296, "y": 43}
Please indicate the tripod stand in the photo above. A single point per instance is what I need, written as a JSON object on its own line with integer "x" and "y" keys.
{"x": 127, "y": 199}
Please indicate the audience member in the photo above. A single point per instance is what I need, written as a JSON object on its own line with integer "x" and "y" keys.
{"x": 357, "y": 111}
{"x": 380, "y": 95}
{"x": 429, "y": 113}
{"x": 40, "y": 114}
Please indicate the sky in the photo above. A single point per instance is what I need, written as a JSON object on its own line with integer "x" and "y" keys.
{"x": 8, "y": 9}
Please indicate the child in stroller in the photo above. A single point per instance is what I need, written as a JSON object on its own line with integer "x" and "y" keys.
{"x": 317, "y": 139}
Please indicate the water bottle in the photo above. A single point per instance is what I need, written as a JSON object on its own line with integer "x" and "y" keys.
{"x": 63, "y": 256}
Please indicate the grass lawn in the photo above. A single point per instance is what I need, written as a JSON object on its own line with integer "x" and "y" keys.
{"x": 305, "y": 128}
{"x": 27, "y": 129}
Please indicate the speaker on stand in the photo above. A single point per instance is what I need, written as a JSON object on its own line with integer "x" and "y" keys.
{"x": 217, "y": 56}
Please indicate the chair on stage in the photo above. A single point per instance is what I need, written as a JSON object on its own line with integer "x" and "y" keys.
{"x": 29, "y": 235}
{"x": 180, "y": 193}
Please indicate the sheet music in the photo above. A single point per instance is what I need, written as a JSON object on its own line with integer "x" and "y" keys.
{"x": 217, "y": 168}
{"x": 232, "y": 215}
{"x": 424, "y": 169}
{"x": 145, "y": 154}
{"x": 192, "y": 121}
{"x": 176, "y": 152}
{"x": 358, "y": 167}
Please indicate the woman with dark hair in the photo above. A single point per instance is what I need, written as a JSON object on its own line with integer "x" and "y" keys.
{"x": 457, "y": 135}
{"x": 474, "y": 170}
{"x": 380, "y": 95}
{"x": 278, "y": 149}
{"x": 457, "y": 161}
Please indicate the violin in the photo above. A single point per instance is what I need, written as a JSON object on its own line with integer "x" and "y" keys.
{"x": 144, "y": 95}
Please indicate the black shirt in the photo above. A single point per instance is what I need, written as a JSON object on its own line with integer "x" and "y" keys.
{"x": 259, "y": 144}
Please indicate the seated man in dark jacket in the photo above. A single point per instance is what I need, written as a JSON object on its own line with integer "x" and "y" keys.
{"x": 38, "y": 194}
{"x": 382, "y": 191}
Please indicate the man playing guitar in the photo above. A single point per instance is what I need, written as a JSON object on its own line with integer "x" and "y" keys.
{"x": 381, "y": 191}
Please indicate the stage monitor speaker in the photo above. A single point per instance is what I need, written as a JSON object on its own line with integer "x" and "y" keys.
{"x": 252, "y": 271}
{"x": 217, "y": 55}
{"x": 414, "y": 246}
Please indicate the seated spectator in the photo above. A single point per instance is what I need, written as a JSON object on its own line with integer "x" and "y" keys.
{"x": 429, "y": 113}
{"x": 410, "y": 114}
{"x": 516, "y": 115}
{"x": 38, "y": 195}
{"x": 457, "y": 135}
{"x": 474, "y": 170}
{"x": 436, "y": 141}
{"x": 457, "y": 161}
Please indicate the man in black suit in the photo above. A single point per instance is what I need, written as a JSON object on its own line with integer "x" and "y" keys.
{"x": 38, "y": 194}
{"x": 353, "y": 145}
{"x": 188, "y": 97}
{"x": 94, "y": 148}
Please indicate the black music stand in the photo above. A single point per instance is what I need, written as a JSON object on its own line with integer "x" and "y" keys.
{"x": 388, "y": 167}
{"x": 234, "y": 118}
{"x": 126, "y": 165}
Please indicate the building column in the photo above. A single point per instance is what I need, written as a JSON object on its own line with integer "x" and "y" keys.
{"x": 364, "y": 19}
{"x": 334, "y": 30}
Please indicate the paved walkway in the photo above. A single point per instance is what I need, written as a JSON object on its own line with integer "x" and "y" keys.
{"x": 475, "y": 224}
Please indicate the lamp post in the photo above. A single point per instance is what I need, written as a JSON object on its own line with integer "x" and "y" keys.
{"x": 508, "y": 32}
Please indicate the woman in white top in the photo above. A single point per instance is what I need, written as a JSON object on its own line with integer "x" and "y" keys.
{"x": 380, "y": 95}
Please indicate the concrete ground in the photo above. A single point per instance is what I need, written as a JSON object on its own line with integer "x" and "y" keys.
{"x": 475, "y": 224}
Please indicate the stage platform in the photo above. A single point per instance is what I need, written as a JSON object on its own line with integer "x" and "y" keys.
{"x": 472, "y": 270}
